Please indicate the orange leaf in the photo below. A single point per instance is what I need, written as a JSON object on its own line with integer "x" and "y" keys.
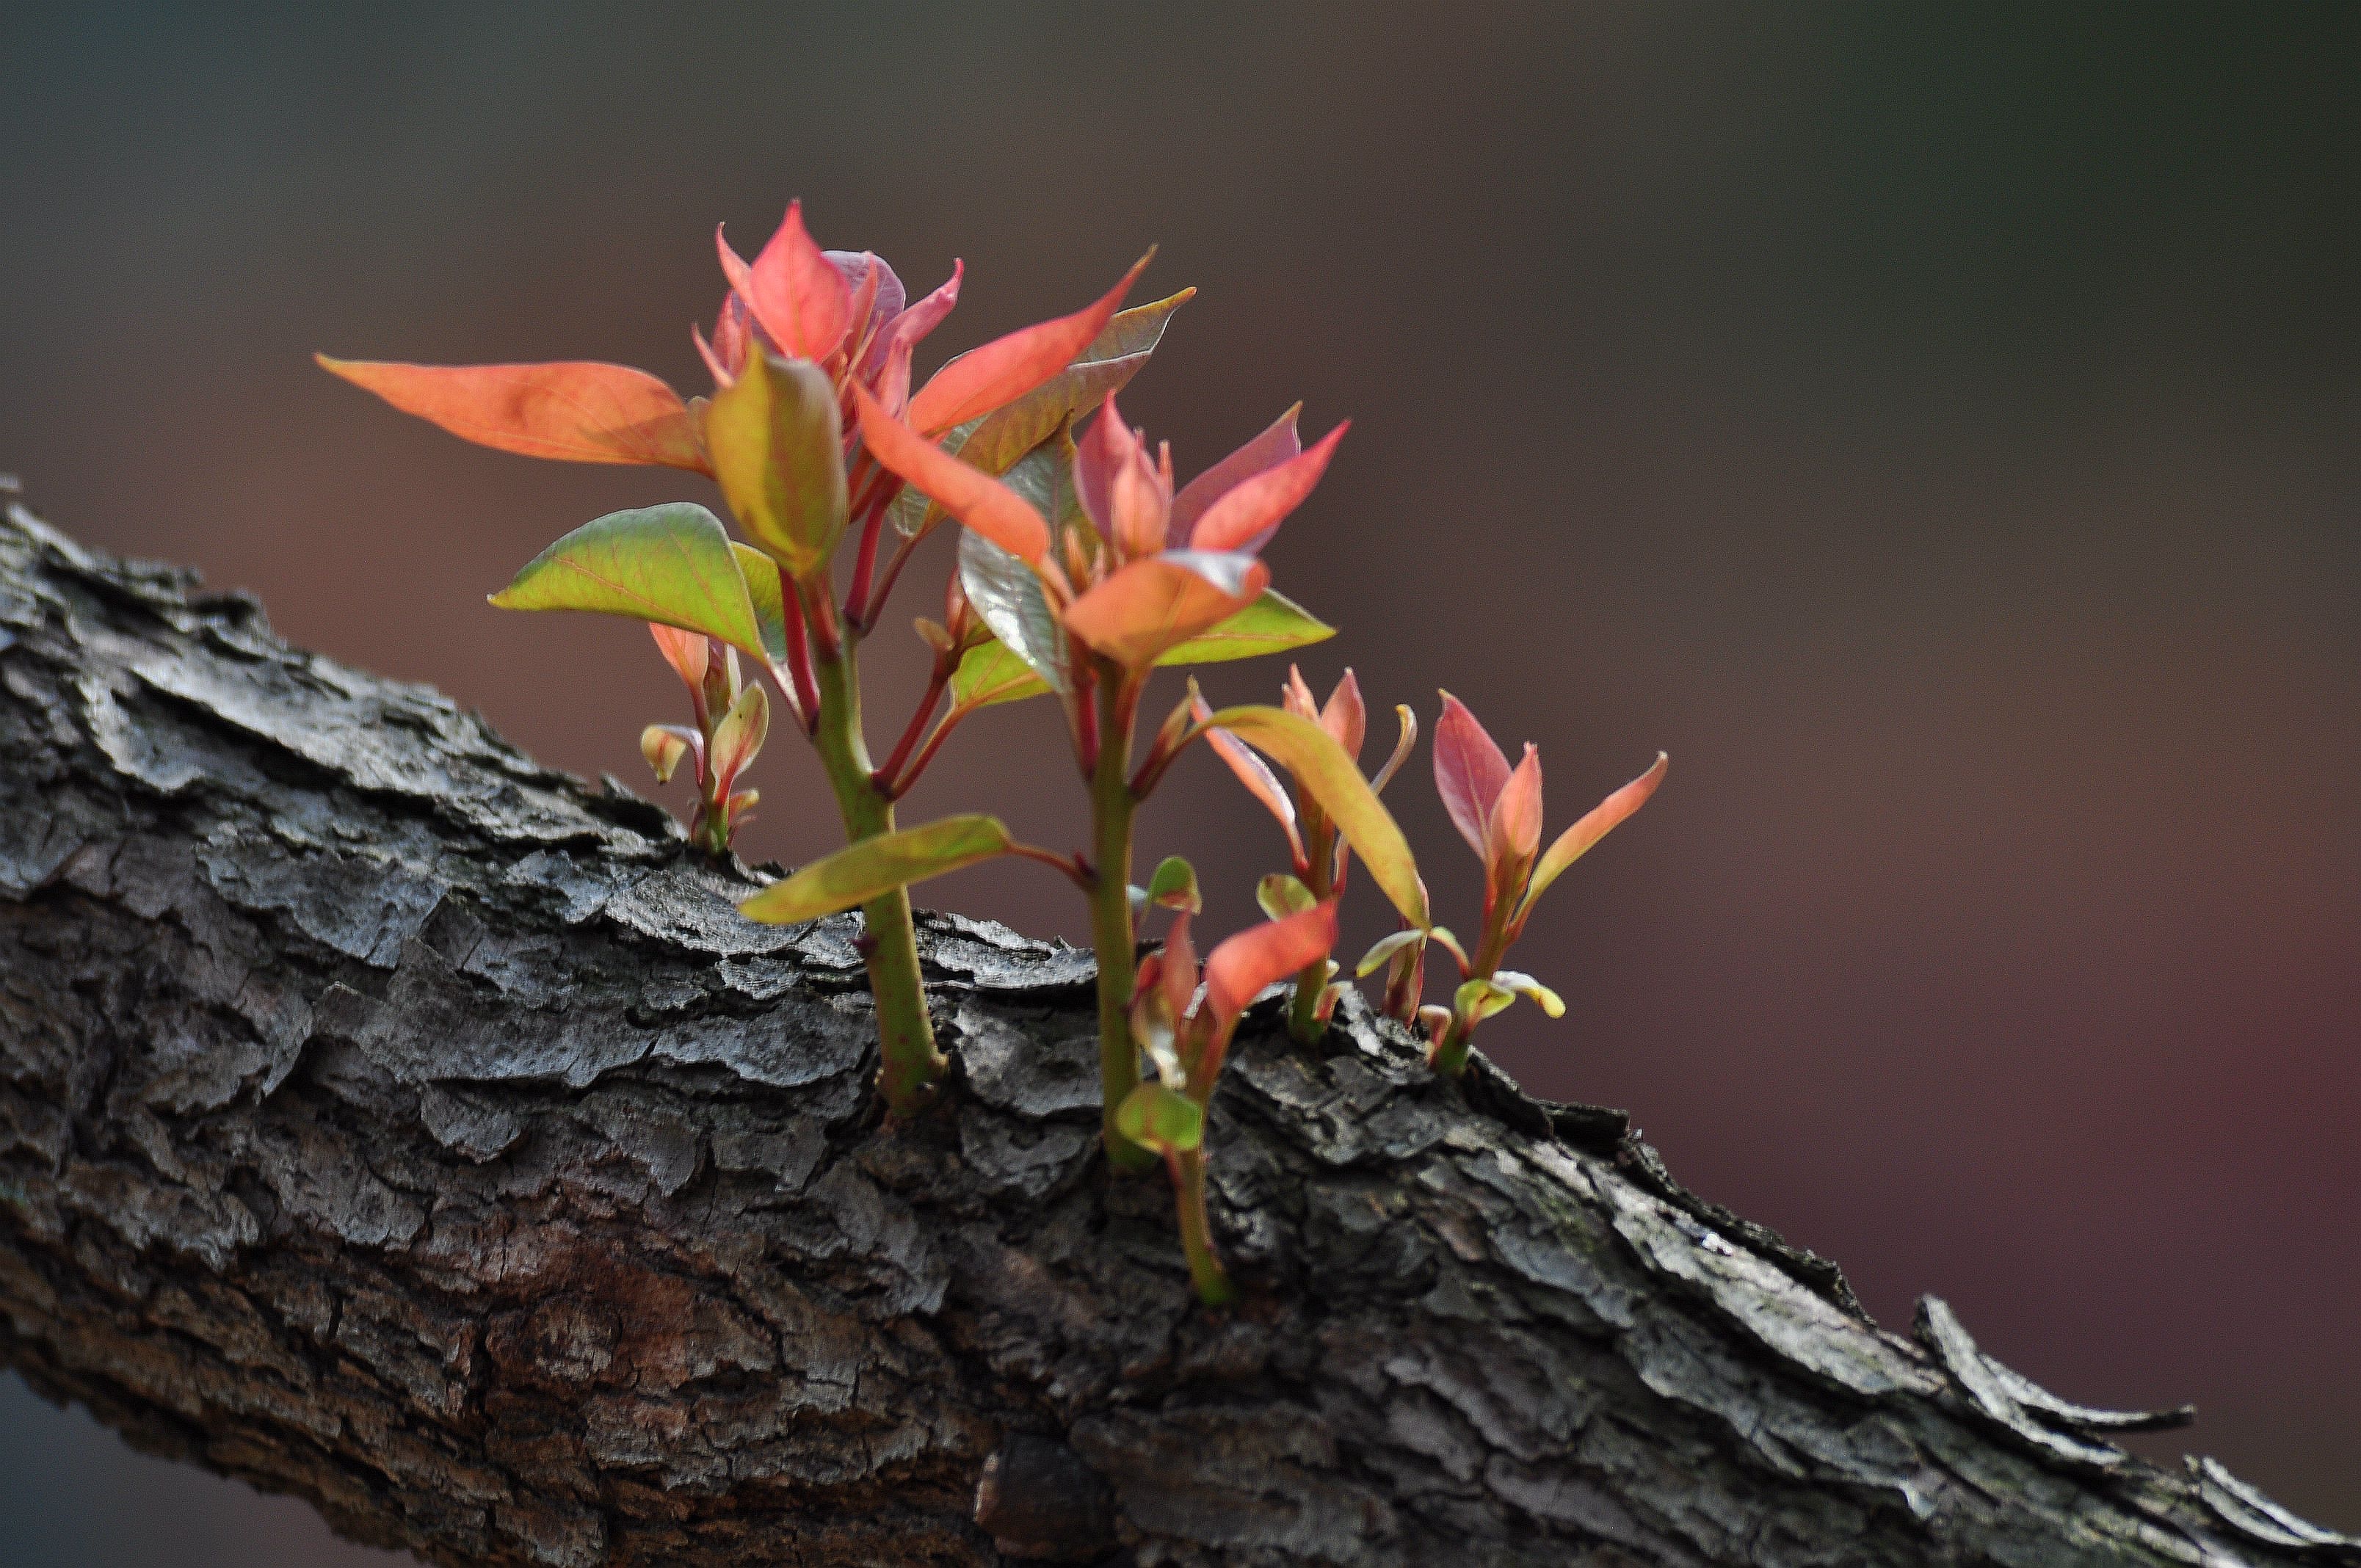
{"x": 1239, "y": 968}
{"x": 1006, "y": 368}
{"x": 970, "y": 494}
{"x": 1156, "y": 604}
{"x": 1601, "y": 820}
{"x": 576, "y": 411}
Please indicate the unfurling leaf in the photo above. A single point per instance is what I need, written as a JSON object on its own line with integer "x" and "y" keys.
{"x": 794, "y": 290}
{"x": 1272, "y": 624}
{"x": 1280, "y": 895}
{"x": 671, "y": 563}
{"x": 1469, "y": 771}
{"x": 1174, "y": 886}
{"x": 777, "y": 445}
{"x": 1246, "y": 517}
{"x": 574, "y": 411}
{"x": 861, "y": 871}
{"x": 664, "y": 745}
{"x": 688, "y": 652}
{"x": 739, "y": 737}
{"x": 1596, "y": 825}
{"x": 1526, "y": 986}
{"x": 1007, "y": 597}
{"x": 1322, "y": 771}
{"x": 1161, "y": 1118}
{"x": 738, "y": 807}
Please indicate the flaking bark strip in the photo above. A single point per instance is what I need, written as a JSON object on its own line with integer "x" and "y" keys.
{"x": 392, "y": 1121}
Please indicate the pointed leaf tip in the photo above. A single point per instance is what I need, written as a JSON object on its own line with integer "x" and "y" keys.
{"x": 1595, "y": 825}
{"x": 1469, "y": 771}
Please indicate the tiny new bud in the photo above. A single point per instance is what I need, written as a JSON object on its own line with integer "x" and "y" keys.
{"x": 935, "y": 635}
{"x": 665, "y": 746}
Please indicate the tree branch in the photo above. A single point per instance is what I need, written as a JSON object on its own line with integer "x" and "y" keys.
{"x": 387, "y": 1119}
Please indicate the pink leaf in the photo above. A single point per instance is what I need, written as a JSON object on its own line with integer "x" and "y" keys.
{"x": 1246, "y": 517}
{"x": 687, "y": 652}
{"x": 1099, "y": 455}
{"x": 906, "y": 330}
{"x": 575, "y": 411}
{"x": 1345, "y": 718}
{"x": 973, "y": 497}
{"x": 1006, "y": 368}
{"x": 1469, "y": 771}
{"x": 1272, "y": 447}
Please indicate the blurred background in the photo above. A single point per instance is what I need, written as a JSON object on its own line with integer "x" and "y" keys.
{"x": 1934, "y": 426}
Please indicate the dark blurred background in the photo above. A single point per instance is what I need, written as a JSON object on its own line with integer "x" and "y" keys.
{"x": 1934, "y": 426}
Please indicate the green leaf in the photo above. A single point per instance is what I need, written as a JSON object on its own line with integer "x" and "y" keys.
{"x": 777, "y": 439}
{"x": 1477, "y": 1000}
{"x": 1386, "y": 949}
{"x": 1007, "y": 597}
{"x": 1322, "y": 771}
{"x": 1160, "y": 1119}
{"x": 670, "y": 564}
{"x": 1281, "y": 894}
{"x": 1526, "y": 985}
{"x": 996, "y": 441}
{"x": 767, "y": 592}
{"x": 1174, "y": 885}
{"x": 1272, "y": 624}
{"x": 988, "y": 674}
{"x": 859, "y": 873}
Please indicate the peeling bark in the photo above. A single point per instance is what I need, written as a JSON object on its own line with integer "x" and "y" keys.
{"x": 388, "y": 1120}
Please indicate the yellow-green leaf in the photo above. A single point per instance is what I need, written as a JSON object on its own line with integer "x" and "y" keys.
{"x": 767, "y": 592}
{"x": 1322, "y": 771}
{"x": 670, "y": 564}
{"x": 777, "y": 439}
{"x": 988, "y": 672}
{"x": 1272, "y": 624}
{"x": 1160, "y": 1119}
{"x": 859, "y": 873}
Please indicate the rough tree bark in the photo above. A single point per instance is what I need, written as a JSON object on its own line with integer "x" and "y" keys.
{"x": 388, "y": 1120}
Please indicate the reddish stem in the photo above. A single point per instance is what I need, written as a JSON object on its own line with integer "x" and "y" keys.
{"x": 889, "y": 773}
{"x": 1071, "y": 866}
{"x": 926, "y": 753}
{"x": 799, "y": 658}
{"x": 893, "y": 564}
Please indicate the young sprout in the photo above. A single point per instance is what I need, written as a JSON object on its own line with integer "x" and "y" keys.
{"x": 803, "y": 337}
{"x": 1320, "y": 858}
{"x": 732, "y": 719}
{"x": 1186, "y": 1033}
{"x": 1089, "y": 568}
{"x": 1499, "y": 811}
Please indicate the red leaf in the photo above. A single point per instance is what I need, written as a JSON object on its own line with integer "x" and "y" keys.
{"x": 1242, "y": 966}
{"x": 905, "y": 332}
{"x": 798, "y": 295}
{"x": 575, "y": 411}
{"x": 1006, "y": 368}
{"x": 1600, "y": 820}
{"x": 1246, "y": 517}
{"x": 1469, "y": 771}
{"x": 973, "y": 497}
{"x": 1272, "y": 447}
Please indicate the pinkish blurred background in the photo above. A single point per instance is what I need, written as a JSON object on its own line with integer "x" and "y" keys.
{"x": 1937, "y": 433}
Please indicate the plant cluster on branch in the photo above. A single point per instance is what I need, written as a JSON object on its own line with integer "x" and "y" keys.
{"x": 1081, "y": 569}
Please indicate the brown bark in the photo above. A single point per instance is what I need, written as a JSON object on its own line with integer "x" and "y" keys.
{"x": 388, "y": 1120}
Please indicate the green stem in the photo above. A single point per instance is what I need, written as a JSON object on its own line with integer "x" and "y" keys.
{"x": 1205, "y": 1270}
{"x": 1303, "y": 1021}
{"x": 1451, "y": 1054}
{"x": 1111, "y": 804}
{"x": 905, "y": 1036}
